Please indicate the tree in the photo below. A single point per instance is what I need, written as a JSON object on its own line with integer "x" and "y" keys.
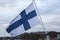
{"x": 33, "y": 35}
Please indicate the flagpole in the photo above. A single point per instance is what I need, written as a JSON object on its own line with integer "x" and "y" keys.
{"x": 39, "y": 16}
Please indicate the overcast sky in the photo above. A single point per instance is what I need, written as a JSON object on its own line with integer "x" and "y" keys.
{"x": 49, "y": 10}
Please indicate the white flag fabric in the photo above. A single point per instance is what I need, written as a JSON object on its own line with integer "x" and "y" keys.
{"x": 24, "y": 21}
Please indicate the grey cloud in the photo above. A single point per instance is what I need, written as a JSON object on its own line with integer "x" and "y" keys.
{"x": 53, "y": 24}
{"x": 56, "y": 21}
{"x": 4, "y": 3}
{"x": 48, "y": 6}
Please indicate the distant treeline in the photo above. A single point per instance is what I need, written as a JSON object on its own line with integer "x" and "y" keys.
{"x": 33, "y": 36}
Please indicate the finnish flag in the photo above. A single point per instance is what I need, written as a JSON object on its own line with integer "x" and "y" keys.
{"x": 26, "y": 20}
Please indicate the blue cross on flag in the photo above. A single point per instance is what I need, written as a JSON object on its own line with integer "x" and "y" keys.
{"x": 25, "y": 20}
